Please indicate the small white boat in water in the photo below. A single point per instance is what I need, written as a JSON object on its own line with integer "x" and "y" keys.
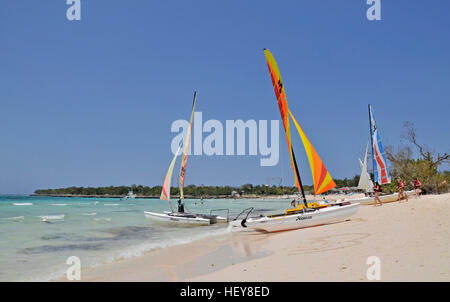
{"x": 130, "y": 195}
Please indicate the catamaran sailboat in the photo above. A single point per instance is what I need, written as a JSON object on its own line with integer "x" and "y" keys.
{"x": 181, "y": 217}
{"x": 379, "y": 167}
{"x": 306, "y": 214}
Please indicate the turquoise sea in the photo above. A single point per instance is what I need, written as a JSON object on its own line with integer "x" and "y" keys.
{"x": 97, "y": 230}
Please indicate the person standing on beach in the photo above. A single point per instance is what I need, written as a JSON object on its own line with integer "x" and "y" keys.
{"x": 401, "y": 190}
{"x": 377, "y": 189}
{"x": 417, "y": 186}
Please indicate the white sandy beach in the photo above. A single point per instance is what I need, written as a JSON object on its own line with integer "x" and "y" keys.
{"x": 411, "y": 239}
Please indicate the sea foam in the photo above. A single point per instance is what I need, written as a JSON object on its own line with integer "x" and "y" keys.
{"x": 53, "y": 217}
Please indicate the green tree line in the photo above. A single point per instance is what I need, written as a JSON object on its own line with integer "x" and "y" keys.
{"x": 191, "y": 190}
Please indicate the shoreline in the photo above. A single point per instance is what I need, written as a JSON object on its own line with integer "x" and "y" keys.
{"x": 330, "y": 197}
{"x": 174, "y": 196}
{"x": 411, "y": 240}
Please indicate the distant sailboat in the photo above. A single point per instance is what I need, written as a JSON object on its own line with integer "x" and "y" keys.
{"x": 306, "y": 214}
{"x": 130, "y": 195}
{"x": 379, "y": 168}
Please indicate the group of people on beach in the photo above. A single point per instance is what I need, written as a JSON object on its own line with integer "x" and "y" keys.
{"x": 401, "y": 190}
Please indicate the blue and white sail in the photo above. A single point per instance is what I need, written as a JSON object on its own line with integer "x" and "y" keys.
{"x": 381, "y": 173}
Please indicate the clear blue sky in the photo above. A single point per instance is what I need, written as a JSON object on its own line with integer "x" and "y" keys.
{"x": 90, "y": 103}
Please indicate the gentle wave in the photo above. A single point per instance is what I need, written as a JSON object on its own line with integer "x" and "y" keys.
{"x": 23, "y": 204}
{"x": 59, "y": 204}
{"x": 108, "y": 219}
{"x": 53, "y": 217}
{"x": 111, "y": 204}
{"x": 17, "y": 218}
{"x": 89, "y": 214}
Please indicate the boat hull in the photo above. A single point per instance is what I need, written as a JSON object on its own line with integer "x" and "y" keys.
{"x": 384, "y": 199}
{"x": 322, "y": 216}
{"x": 213, "y": 219}
{"x": 176, "y": 218}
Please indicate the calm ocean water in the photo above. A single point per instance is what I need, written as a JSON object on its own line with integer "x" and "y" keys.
{"x": 97, "y": 230}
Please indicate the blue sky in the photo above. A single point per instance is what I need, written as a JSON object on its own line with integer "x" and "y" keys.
{"x": 91, "y": 102}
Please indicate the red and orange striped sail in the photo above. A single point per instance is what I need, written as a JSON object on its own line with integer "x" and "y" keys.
{"x": 186, "y": 149}
{"x": 322, "y": 178}
{"x": 283, "y": 106}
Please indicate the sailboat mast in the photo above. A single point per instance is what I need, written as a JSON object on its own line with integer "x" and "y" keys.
{"x": 299, "y": 179}
{"x": 371, "y": 142}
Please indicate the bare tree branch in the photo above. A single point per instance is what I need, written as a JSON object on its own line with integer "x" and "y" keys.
{"x": 410, "y": 135}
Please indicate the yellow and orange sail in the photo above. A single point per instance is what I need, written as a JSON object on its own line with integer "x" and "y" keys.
{"x": 321, "y": 177}
{"x": 283, "y": 106}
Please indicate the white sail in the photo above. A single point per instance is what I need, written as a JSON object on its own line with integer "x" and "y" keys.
{"x": 365, "y": 183}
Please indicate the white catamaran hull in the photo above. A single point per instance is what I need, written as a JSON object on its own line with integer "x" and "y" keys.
{"x": 384, "y": 198}
{"x": 213, "y": 219}
{"x": 297, "y": 221}
{"x": 175, "y": 218}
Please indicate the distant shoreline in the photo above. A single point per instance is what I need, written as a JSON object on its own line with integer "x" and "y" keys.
{"x": 205, "y": 197}
{"x": 89, "y": 196}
